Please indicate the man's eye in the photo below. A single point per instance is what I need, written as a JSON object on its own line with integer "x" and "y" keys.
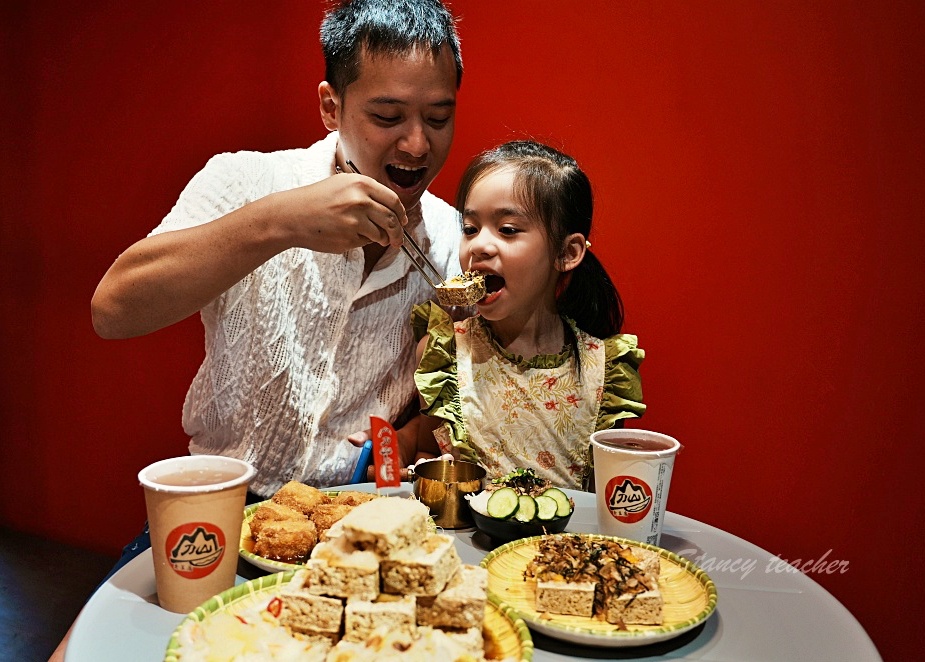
{"x": 386, "y": 120}
{"x": 439, "y": 122}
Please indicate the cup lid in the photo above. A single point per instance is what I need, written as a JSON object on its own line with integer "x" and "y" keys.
{"x": 237, "y": 472}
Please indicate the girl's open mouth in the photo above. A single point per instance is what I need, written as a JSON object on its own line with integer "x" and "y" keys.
{"x": 493, "y": 286}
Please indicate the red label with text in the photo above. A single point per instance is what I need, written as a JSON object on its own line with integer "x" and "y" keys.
{"x": 195, "y": 549}
{"x": 629, "y": 499}
{"x": 385, "y": 453}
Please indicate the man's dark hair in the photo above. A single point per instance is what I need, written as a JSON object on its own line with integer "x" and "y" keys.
{"x": 389, "y": 27}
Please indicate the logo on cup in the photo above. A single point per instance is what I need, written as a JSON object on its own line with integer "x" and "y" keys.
{"x": 628, "y": 498}
{"x": 195, "y": 548}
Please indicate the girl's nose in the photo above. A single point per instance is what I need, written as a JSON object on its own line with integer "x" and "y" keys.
{"x": 482, "y": 245}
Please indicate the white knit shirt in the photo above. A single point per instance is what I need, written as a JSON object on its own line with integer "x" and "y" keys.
{"x": 302, "y": 351}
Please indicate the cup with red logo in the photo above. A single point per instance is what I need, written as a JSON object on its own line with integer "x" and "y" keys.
{"x": 632, "y": 473}
{"x": 195, "y": 510}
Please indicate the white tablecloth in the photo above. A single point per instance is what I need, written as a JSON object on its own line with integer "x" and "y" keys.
{"x": 766, "y": 610}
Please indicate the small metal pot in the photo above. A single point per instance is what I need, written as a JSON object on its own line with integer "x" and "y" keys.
{"x": 441, "y": 485}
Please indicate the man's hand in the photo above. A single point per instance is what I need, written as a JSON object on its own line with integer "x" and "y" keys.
{"x": 341, "y": 212}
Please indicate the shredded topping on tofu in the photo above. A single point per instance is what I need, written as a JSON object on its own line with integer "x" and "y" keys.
{"x": 571, "y": 558}
{"x": 470, "y": 276}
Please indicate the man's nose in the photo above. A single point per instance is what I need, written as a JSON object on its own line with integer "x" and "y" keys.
{"x": 415, "y": 141}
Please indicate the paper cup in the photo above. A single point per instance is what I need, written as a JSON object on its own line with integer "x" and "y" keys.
{"x": 632, "y": 473}
{"x": 195, "y": 510}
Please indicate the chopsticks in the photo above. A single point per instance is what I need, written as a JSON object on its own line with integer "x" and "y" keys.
{"x": 417, "y": 251}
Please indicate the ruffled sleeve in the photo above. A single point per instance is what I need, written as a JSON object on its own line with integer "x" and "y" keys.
{"x": 435, "y": 376}
{"x": 622, "y": 396}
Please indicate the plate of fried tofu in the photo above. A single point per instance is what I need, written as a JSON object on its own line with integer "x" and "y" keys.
{"x": 386, "y": 587}
{"x": 600, "y": 590}
{"x": 280, "y": 533}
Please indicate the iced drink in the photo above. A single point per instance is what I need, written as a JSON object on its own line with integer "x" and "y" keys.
{"x": 195, "y": 510}
{"x": 632, "y": 473}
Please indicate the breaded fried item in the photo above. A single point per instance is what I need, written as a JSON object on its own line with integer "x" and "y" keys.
{"x": 299, "y": 496}
{"x": 324, "y": 515}
{"x": 353, "y": 498}
{"x": 270, "y": 511}
{"x": 286, "y": 540}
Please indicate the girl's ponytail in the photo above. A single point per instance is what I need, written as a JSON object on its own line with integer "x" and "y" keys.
{"x": 591, "y": 299}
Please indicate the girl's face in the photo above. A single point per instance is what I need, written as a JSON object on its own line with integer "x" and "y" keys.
{"x": 512, "y": 249}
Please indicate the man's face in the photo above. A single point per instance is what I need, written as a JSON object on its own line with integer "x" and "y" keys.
{"x": 396, "y": 121}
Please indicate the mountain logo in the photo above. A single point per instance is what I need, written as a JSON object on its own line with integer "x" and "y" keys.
{"x": 629, "y": 499}
{"x": 195, "y": 549}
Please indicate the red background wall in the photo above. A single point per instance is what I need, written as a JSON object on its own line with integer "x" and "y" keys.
{"x": 758, "y": 168}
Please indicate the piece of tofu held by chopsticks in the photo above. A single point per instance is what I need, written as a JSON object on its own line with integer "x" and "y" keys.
{"x": 463, "y": 290}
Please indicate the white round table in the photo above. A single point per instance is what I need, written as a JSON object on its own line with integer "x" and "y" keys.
{"x": 766, "y": 610}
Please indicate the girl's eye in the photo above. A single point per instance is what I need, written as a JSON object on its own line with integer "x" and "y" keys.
{"x": 508, "y": 231}
{"x": 469, "y": 230}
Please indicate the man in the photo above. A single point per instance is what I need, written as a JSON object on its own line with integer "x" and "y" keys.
{"x": 296, "y": 269}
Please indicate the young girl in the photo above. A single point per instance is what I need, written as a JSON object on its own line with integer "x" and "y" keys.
{"x": 526, "y": 381}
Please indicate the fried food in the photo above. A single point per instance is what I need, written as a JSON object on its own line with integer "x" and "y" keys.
{"x": 286, "y": 540}
{"x": 353, "y": 498}
{"x": 300, "y": 496}
{"x": 326, "y": 514}
{"x": 270, "y": 511}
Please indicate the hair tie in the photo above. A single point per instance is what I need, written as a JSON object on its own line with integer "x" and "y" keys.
{"x": 587, "y": 244}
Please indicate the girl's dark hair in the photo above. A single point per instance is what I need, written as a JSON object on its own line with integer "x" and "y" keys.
{"x": 557, "y": 193}
{"x": 391, "y": 27}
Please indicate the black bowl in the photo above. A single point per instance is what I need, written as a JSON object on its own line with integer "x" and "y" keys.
{"x": 511, "y": 529}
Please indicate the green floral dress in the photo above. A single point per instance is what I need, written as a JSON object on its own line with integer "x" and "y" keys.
{"x": 503, "y": 411}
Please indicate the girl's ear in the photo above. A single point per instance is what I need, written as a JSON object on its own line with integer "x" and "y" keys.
{"x": 573, "y": 252}
{"x": 330, "y": 106}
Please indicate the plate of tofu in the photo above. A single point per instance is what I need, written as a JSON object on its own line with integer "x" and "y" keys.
{"x": 386, "y": 587}
{"x": 626, "y": 593}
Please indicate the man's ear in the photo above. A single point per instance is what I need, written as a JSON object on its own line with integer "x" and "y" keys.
{"x": 573, "y": 252}
{"x": 329, "y": 105}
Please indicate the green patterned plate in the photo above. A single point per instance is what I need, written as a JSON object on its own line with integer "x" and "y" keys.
{"x": 506, "y": 635}
{"x": 689, "y": 595}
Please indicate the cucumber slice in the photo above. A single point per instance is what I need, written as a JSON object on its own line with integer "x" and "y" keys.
{"x": 526, "y": 511}
{"x": 502, "y": 503}
{"x": 564, "y": 505}
{"x": 545, "y": 507}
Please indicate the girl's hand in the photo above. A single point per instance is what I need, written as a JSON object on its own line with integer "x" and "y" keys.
{"x": 359, "y": 438}
{"x": 421, "y": 460}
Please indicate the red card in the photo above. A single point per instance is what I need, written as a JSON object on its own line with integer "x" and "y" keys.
{"x": 385, "y": 453}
